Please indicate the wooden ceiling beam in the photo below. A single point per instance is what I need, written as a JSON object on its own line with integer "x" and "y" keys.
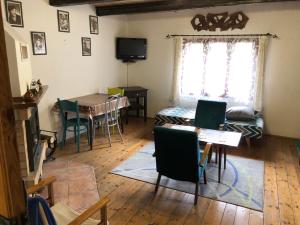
{"x": 80, "y": 2}
{"x": 170, "y": 5}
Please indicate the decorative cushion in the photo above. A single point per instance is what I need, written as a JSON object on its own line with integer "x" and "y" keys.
{"x": 240, "y": 113}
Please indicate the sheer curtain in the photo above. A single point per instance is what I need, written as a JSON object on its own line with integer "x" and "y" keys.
{"x": 230, "y": 69}
{"x": 262, "y": 48}
{"x": 175, "y": 95}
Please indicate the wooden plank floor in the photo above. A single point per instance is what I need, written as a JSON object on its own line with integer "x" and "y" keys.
{"x": 134, "y": 202}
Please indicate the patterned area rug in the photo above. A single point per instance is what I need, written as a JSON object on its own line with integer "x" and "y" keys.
{"x": 241, "y": 182}
{"x": 75, "y": 183}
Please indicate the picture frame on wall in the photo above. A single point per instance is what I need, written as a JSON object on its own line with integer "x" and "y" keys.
{"x": 14, "y": 13}
{"x": 63, "y": 19}
{"x": 38, "y": 40}
{"x": 94, "y": 26}
{"x": 86, "y": 46}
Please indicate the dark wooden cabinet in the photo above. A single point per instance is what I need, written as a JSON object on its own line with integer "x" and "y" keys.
{"x": 135, "y": 94}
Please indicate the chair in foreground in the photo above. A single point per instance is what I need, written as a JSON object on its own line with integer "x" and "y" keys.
{"x": 76, "y": 124}
{"x": 40, "y": 213}
{"x": 179, "y": 157}
{"x": 111, "y": 117}
{"x": 210, "y": 115}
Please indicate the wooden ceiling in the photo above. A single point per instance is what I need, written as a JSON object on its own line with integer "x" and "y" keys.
{"x": 117, "y": 7}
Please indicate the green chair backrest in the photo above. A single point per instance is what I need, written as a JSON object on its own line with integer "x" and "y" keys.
{"x": 66, "y": 106}
{"x": 114, "y": 91}
{"x": 210, "y": 114}
{"x": 177, "y": 154}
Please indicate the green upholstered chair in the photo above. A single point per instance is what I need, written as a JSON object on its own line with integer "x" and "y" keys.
{"x": 114, "y": 91}
{"x": 178, "y": 156}
{"x": 210, "y": 115}
{"x": 76, "y": 124}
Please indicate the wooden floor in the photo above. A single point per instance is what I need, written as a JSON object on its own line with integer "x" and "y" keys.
{"x": 134, "y": 202}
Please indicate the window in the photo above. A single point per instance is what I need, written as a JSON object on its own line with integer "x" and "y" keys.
{"x": 219, "y": 68}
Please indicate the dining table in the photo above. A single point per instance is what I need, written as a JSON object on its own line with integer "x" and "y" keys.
{"x": 93, "y": 105}
{"x": 217, "y": 137}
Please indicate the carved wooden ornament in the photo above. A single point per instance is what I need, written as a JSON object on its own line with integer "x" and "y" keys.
{"x": 224, "y": 21}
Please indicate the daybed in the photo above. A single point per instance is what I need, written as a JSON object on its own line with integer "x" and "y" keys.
{"x": 251, "y": 130}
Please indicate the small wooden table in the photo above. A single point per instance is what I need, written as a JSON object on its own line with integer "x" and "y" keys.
{"x": 219, "y": 137}
{"x": 136, "y": 92}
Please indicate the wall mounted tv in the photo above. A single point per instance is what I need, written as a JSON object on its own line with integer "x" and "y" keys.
{"x": 131, "y": 49}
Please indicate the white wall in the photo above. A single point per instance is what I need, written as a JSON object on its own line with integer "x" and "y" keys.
{"x": 282, "y": 78}
{"x": 64, "y": 69}
{"x": 69, "y": 74}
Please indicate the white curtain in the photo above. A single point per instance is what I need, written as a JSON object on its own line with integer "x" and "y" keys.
{"x": 175, "y": 95}
{"x": 262, "y": 48}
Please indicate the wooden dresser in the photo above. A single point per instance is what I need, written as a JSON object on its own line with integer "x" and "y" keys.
{"x": 135, "y": 94}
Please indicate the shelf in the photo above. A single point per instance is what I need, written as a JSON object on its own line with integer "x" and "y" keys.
{"x": 134, "y": 105}
{"x": 23, "y": 103}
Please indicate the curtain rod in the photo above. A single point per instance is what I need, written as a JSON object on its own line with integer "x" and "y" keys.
{"x": 223, "y": 35}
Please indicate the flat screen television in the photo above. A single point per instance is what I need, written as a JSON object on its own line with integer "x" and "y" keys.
{"x": 131, "y": 49}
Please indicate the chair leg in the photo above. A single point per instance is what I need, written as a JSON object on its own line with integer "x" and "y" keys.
{"x": 216, "y": 153}
{"x": 64, "y": 136}
{"x": 157, "y": 182}
{"x": 248, "y": 141}
{"x": 121, "y": 121}
{"x": 108, "y": 132}
{"x": 88, "y": 133}
{"x": 204, "y": 177}
{"x": 209, "y": 156}
{"x": 120, "y": 133}
{"x": 75, "y": 134}
{"x": 196, "y": 193}
{"x": 78, "y": 139}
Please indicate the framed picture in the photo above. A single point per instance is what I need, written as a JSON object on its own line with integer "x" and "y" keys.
{"x": 24, "y": 52}
{"x": 63, "y": 21}
{"x": 14, "y": 14}
{"x": 86, "y": 46}
{"x": 38, "y": 40}
{"x": 94, "y": 28}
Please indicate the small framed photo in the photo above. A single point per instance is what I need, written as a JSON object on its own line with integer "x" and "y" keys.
{"x": 24, "y": 52}
{"x": 14, "y": 13}
{"x": 94, "y": 27}
{"x": 86, "y": 46}
{"x": 38, "y": 40}
{"x": 63, "y": 21}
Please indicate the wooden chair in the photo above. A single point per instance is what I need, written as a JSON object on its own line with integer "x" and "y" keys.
{"x": 65, "y": 215}
{"x": 178, "y": 156}
{"x": 76, "y": 124}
